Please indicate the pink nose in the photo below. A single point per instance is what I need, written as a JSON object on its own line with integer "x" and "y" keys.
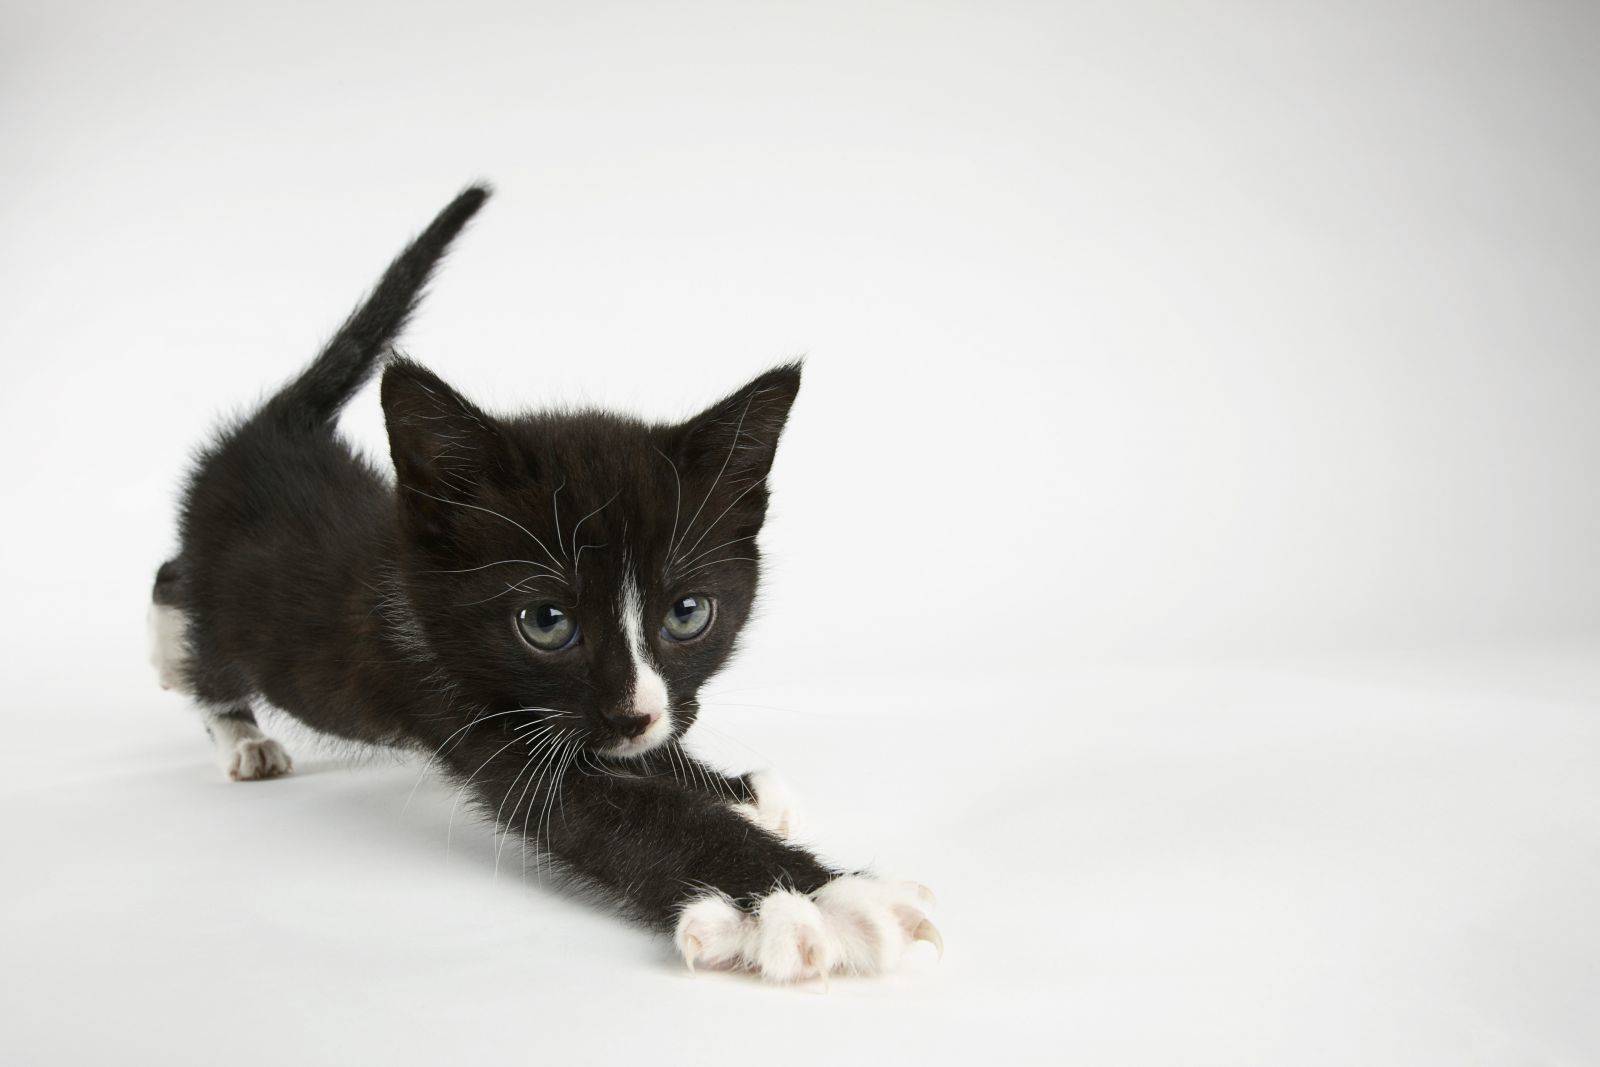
{"x": 631, "y": 726}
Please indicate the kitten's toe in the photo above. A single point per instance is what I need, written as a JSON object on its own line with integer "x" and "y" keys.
{"x": 776, "y": 808}
{"x": 711, "y": 932}
{"x": 873, "y": 921}
{"x": 791, "y": 939}
{"x": 254, "y": 758}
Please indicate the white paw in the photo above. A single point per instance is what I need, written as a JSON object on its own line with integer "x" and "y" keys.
{"x": 251, "y": 758}
{"x": 852, "y": 925}
{"x": 776, "y": 809}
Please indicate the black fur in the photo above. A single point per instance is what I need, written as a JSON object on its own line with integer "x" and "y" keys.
{"x": 385, "y": 612}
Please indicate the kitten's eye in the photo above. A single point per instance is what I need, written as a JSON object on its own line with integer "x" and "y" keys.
{"x": 547, "y": 627}
{"x": 688, "y": 618}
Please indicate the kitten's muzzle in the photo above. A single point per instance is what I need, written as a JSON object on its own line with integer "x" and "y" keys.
{"x": 631, "y": 725}
{"x": 635, "y": 732}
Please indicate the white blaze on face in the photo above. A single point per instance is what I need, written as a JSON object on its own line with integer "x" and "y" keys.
{"x": 649, "y": 695}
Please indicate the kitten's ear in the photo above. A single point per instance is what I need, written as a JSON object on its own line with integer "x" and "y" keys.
{"x": 729, "y": 447}
{"x": 444, "y": 448}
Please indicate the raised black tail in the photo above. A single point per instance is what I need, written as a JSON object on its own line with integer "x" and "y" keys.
{"x": 348, "y": 360}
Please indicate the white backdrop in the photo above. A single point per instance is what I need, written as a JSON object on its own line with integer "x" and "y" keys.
{"x": 1146, "y": 333}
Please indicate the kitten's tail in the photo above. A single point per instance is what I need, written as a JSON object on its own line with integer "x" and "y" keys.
{"x": 348, "y": 360}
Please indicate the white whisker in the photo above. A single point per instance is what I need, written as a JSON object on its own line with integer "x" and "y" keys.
{"x": 579, "y": 524}
{"x": 738, "y": 428}
{"x": 713, "y": 548}
{"x": 440, "y": 749}
{"x": 715, "y": 562}
{"x": 677, "y": 503}
{"x": 527, "y": 819}
{"x": 498, "y": 831}
{"x": 511, "y": 587}
{"x": 555, "y": 791}
{"x": 725, "y": 511}
{"x": 713, "y": 703}
{"x": 548, "y": 741}
{"x": 490, "y": 511}
{"x": 486, "y": 566}
{"x": 449, "y": 828}
{"x": 555, "y": 507}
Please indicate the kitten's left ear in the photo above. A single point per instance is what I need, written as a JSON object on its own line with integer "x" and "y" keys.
{"x": 729, "y": 447}
{"x": 444, "y": 447}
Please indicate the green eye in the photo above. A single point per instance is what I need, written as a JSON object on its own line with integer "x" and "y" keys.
{"x": 547, "y": 627}
{"x": 688, "y": 618}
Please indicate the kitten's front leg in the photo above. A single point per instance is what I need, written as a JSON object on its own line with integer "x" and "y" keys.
{"x": 732, "y": 894}
{"x": 773, "y": 805}
{"x": 763, "y": 797}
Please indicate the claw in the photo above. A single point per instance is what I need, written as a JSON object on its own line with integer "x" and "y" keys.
{"x": 691, "y": 949}
{"x": 811, "y": 956}
{"x": 924, "y": 892}
{"x": 926, "y": 931}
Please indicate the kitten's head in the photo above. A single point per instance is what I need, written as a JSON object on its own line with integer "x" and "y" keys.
{"x": 590, "y": 568}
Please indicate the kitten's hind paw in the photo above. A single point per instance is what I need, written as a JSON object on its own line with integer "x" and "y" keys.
{"x": 852, "y": 925}
{"x": 254, "y": 758}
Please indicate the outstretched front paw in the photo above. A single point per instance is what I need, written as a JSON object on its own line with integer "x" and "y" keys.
{"x": 852, "y": 925}
{"x": 776, "y": 808}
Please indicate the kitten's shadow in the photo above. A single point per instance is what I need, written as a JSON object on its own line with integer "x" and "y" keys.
{"x": 398, "y": 796}
{"x": 394, "y": 795}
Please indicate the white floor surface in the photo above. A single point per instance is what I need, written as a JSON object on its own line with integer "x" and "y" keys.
{"x": 1375, "y": 863}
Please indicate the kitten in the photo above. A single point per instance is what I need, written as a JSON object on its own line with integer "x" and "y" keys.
{"x": 535, "y": 600}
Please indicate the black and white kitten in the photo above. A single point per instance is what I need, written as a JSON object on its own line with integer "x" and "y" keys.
{"x": 536, "y": 601}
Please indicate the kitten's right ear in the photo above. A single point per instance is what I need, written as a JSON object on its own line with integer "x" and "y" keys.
{"x": 444, "y": 448}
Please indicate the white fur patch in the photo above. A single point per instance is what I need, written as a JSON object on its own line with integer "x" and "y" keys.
{"x": 167, "y": 629}
{"x": 852, "y": 925}
{"x": 776, "y": 809}
{"x": 649, "y": 693}
{"x": 244, "y": 752}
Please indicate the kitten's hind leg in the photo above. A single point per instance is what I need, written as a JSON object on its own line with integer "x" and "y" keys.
{"x": 169, "y": 627}
{"x": 245, "y": 753}
{"x": 185, "y": 664}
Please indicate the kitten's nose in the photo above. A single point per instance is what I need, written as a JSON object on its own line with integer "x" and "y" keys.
{"x": 631, "y": 726}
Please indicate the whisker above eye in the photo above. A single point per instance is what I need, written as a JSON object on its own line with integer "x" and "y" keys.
{"x": 486, "y": 566}
{"x": 713, "y": 548}
{"x": 677, "y": 503}
{"x": 517, "y": 587}
{"x": 672, "y": 549}
{"x": 577, "y": 525}
{"x": 713, "y": 563}
{"x": 724, "y": 513}
{"x": 555, "y": 508}
{"x": 490, "y": 511}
